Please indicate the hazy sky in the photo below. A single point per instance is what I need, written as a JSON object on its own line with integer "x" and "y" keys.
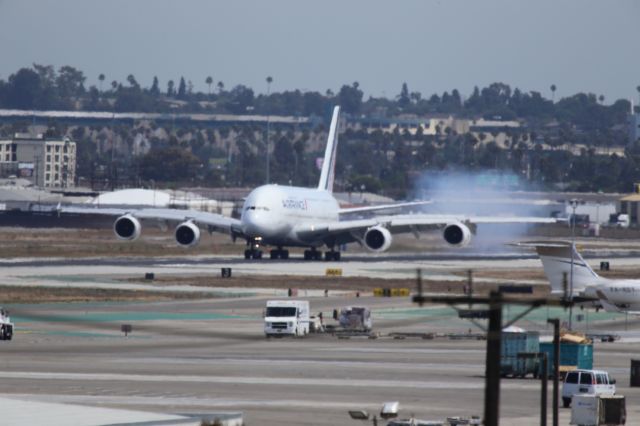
{"x": 579, "y": 45}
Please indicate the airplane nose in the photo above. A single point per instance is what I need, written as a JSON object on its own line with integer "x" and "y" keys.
{"x": 257, "y": 224}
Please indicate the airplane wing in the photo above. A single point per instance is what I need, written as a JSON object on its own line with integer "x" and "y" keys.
{"x": 351, "y": 230}
{"x": 214, "y": 222}
{"x": 367, "y": 209}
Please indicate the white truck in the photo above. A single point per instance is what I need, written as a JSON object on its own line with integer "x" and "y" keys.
{"x": 286, "y": 317}
{"x": 6, "y": 326}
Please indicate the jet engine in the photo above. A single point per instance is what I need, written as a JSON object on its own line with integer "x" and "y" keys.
{"x": 457, "y": 234}
{"x": 377, "y": 238}
{"x": 127, "y": 227}
{"x": 187, "y": 234}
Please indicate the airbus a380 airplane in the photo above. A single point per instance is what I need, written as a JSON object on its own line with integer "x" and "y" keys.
{"x": 287, "y": 216}
{"x": 612, "y": 295}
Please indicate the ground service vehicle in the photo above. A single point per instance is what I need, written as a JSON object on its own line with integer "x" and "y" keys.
{"x": 286, "y": 317}
{"x": 514, "y": 343}
{"x": 356, "y": 318}
{"x": 6, "y": 326}
{"x": 586, "y": 382}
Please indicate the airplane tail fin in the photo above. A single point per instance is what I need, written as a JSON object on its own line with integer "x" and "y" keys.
{"x": 329, "y": 164}
{"x": 556, "y": 260}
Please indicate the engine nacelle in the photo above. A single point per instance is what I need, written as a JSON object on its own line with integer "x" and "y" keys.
{"x": 377, "y": 239}
{"x": 127, "y": 227}
{"x": 457, "y": 234}
{"x": 187, "y": 234}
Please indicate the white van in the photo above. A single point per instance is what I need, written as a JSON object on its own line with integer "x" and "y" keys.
{"x": 587, "y": 382}
{"x": 286, "y": 317}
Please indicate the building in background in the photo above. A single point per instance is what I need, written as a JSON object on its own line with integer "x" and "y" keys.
{"x": 47, "y": 163}
{"x": 634, "y": 127}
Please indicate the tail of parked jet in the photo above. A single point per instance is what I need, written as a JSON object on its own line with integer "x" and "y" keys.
{"x": 327, "y": 174}
{"x": 556, "y": 260}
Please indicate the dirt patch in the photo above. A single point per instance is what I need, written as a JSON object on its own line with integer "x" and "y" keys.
{"x": 16, "y": 294}
{"x": 79, "y": 243}
{"x": 363, "y": 284}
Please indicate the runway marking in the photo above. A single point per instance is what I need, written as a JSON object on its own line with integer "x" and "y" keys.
{"x": 280, "y": 381}
{"x": 197, "y": 401}
{"x": 405, "y": 350}
{"x": 289, "y": 362}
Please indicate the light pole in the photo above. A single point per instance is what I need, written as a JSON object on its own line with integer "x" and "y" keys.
{"x": 269, "y": 80}
{"x": 574, "y": 205}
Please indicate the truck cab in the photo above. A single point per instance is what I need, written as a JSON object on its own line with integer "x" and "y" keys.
{"x": 286, "y": 317}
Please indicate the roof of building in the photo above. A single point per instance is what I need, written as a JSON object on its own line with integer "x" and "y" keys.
{"x": 153, "y": 197}
{"x": 631, "y": 197}
{"x": 134, "y": 196}
{"x": 22, "y": 411}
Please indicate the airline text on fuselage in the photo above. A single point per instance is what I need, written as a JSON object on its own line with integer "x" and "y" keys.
{"x": 292, "y": 204}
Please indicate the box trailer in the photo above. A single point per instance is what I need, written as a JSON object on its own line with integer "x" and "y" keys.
{"x": 514, "y": 343}
{"x": 572, "y": 356}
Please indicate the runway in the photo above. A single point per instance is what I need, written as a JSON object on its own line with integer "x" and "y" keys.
{"x": 210, "y": 355}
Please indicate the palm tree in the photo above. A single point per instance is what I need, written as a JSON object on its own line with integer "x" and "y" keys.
{"x": 101, "y": 77}
{"x": 220, "y": 86}
{"x": 601, "y": 99}
{"x": 170, "y": 85}
{"x": 269, "y": 80}
{"x": 209, "y": 82}
{"x": 553, "y": 93}
{"x": 132, "y": 80}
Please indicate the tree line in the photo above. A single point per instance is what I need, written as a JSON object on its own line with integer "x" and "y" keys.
{"x": 41, "y": 87}
{"x": 379, "y": 161}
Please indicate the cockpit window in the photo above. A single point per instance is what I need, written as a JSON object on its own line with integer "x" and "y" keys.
{"x": 258, "y": 208}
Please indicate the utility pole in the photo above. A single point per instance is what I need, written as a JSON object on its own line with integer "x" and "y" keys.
{"x": 492, "y": 383}
{"x": 542, "y": 356}
{"x": 269, "y": 81}
{"x": 496, "y": 301}
{"x": 574, "y": 205}
{"x": 556, "y": 366}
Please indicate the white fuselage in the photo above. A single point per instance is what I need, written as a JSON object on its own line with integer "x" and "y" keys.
{"x": 273, "y": 214}
{"x": 623, "y": 294}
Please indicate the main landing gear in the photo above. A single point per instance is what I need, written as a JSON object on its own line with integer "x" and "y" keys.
{"x": 332, "y": 255}
{"x": 253, "y": 252}
{"x": 314, "y": 254}
{"x": 279, "y": 253}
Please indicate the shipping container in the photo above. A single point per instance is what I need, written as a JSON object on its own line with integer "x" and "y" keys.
{"x": 514, "y": 343}
{"x": 572, "y": 356}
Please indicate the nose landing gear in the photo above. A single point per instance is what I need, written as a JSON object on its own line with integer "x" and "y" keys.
{"x": 253, "y": 254}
